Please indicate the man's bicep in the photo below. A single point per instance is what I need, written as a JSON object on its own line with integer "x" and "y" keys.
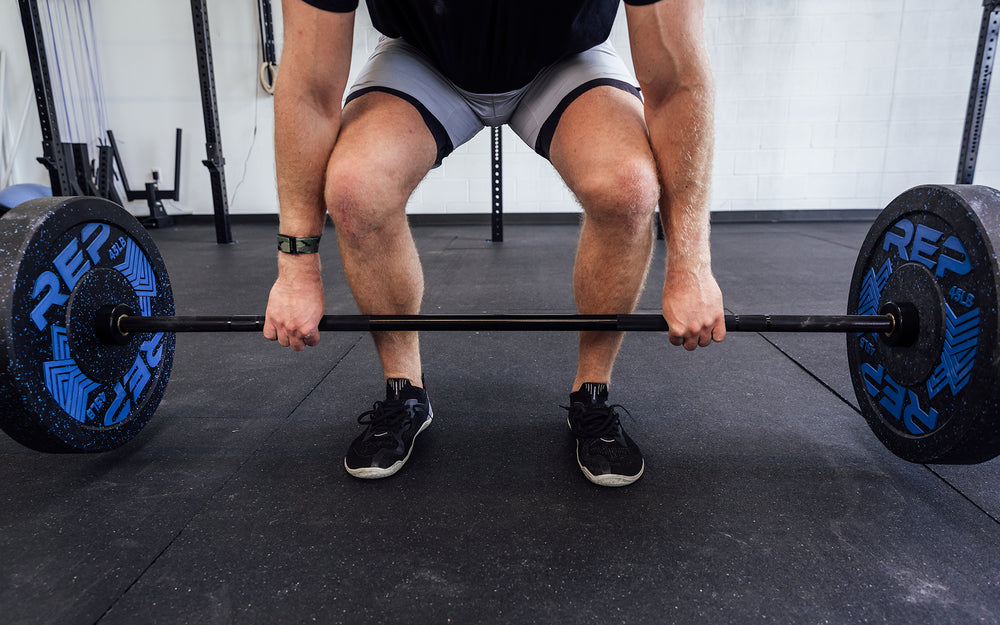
{"x": 317, "y": 46}
{"x": 667, "y": 39}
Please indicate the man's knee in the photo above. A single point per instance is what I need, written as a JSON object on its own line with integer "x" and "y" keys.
{"x": 622, "y": 195}
{"x": 363, "y": 200}
{"x": 383, "y": 152}
{"x": 349, "y": 202}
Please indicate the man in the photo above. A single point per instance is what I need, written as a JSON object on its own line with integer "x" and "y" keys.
{"x": 446, "y": 68}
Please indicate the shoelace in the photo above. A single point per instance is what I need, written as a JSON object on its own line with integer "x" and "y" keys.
{"x": 384, "y": 416}
{"x": 600, "y": 421}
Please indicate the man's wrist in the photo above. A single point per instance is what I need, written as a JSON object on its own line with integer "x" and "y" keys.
{"x": 300, "y": 266}
{"x": 692, "y": 262}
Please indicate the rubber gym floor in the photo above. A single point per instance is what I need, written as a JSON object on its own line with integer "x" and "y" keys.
{"x": 766, "y": 499}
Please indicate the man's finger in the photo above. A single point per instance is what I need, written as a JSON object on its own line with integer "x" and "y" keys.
{"x": 719, "y": 333}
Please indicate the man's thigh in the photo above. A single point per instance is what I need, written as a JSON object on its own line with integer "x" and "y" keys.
{"x": 558, "y": 88}
{"x": 601, "y": 145}
{"x": 384, "y": 149}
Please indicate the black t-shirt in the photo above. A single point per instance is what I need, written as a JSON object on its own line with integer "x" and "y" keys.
{"x": 491, "y": 46}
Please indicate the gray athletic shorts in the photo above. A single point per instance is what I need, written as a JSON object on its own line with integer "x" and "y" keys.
{"x": 454, "y": 115}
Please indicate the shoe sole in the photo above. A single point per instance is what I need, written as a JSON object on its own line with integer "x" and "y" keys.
{"x": 612, "y": 480}
{"x": 377, "y": 473}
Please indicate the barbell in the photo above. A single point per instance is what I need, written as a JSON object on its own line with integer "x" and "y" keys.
{"x": 87, "y": 325}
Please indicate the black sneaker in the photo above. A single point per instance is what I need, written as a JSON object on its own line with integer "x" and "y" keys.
{"x": 605, "y": 453}
{"x": 392, "y": 427}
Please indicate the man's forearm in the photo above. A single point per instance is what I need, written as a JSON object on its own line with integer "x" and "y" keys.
{"x": 672, "y": 65}
{"x": 307, "y": 110}
{"x": 682, "y": 134}
{"x": 303, "y": 141}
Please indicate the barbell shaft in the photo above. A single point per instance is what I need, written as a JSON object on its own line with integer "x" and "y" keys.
{"x": 485, "y": 323}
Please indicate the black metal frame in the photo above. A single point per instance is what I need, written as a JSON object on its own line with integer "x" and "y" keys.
{"x": 215, "y": 162}
{"x": 153, "y": 194}
{"x": 978, "y": 93}
{"x": 69, "y": 166}
{"x": 53, "y": 154}
{"x": 496, "y": 173}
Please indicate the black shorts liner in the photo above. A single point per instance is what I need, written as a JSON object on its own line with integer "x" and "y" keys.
{"x": 548, "y": 130}
{"x": 444, "y": 146}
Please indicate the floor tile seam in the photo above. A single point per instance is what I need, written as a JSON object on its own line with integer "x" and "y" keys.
{"x": 794, "y": 231}
{"x": 855, "y": 409}
{"x": 808, "y": 372}
{"x": 972, "y": 502}
{"x": 447, "y": 247}
{"x": 149, "y": 565}
{"x": 853, "y": 248}
{"x": 357, "y": 341}
{"x": 222, "y": 486}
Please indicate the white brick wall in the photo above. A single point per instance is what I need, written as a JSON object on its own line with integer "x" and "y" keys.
{"x": 860, "y": 100}
{"x": 821, "y": 105}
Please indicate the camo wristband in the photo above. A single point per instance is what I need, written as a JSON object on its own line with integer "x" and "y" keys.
{"x": 298, "y": 245}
